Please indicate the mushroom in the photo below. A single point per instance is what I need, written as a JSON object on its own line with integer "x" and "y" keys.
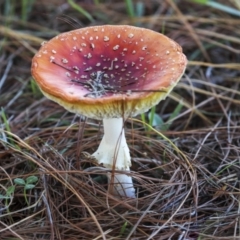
{"x": 109, "y": 73}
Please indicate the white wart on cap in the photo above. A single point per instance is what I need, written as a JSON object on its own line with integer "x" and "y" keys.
{"x": 108, "y": 71}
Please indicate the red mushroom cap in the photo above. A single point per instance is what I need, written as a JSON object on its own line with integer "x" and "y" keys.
{"x": 108, "y": 71}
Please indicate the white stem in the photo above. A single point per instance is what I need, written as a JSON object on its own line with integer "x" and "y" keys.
{"x": 122, "y": 184}
{"x": 113, "y": 152}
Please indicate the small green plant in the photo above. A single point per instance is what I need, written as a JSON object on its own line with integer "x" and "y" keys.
{"x": 5, "y": 120}
{"x": 123, "y": 229}
{"x": 154, "y": 119}
{"x": 7, "y": 196}
{"x": 35, "y": 90}
{"x": 28, "y": 184}
{"x": 9, "y": 192}
{"x": 6, "y": 135}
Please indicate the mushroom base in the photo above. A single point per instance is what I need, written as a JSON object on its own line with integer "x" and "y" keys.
{"x": 113, "y": 153}
{"x": 122, "y": 184}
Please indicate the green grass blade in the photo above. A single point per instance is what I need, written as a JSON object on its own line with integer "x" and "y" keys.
{"x": 130, "y": 8}
{"x": 81, "y": 10}
{"x": 218, "y": 6}
{"x": 26, "y": 9}
{"x": 174, "y": 114}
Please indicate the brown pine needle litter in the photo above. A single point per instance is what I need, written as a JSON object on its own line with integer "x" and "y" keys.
{"x": 185, "y": 153}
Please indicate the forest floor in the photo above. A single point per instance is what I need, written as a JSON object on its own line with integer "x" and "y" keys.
{"x": 185, "y": 162}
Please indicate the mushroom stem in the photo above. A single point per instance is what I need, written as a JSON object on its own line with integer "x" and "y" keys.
{"x": 113, "y": 152}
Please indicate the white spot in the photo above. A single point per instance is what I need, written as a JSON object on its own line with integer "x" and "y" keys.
{"x": 118, "y": 35}
{"x": 45, "y": 52}
{"x": 92, "y": 45}
{"x": 116, "y": 67}
{"x": 68, "y": 74}
{"x": 83, "y": 44}
{"x": 172, "y": 82}
{"x": 98, "y": 64}
{"x": 75, "y": 68}
{"x": 134, "y": 51}
{"x": 89, "y": 55}
{"x": 80, "y": 49}
{"x": 154, "y": 66}
{"x": 143, "y": 75}
{"x": 52, "y": 58}
{"x": 167, "y": 52}
{"x": 74, "y": 38}
{"x": 43, "y": 43}
{"x": 95, "y": 29}
{"x": 106, "y": 38}
{"x": 83, "y": 37}
{"x": 144, "y": 48}
{"x": 116, "y": 47}
{"x": 91, "y": 38}
{"x": 54, "y": 52}
{"x": 39, "y": 55}
{"x": 129, "y": 92}
{"x": 64, "y": 60}
{"x": 130, "y": 35}
{"x": 125, "y": 49}
{"x": 88, "y": 69}
{"x": 84, "y": 76}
